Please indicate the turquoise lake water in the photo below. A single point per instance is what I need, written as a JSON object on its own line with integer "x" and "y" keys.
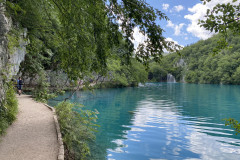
{"x": 164, "y": 121}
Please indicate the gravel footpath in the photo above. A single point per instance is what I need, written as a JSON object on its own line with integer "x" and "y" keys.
{"x": 32, "y": 136}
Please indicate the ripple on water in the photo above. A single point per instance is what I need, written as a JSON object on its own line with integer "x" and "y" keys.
{"x": 166, "y": 121}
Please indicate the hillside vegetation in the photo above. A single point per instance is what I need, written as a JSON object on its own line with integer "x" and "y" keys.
{"x": 202, "y": 65}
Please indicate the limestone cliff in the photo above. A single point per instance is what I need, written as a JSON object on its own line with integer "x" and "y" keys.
{"x": 9, "y": 62}
{"x": 4, "y": 56}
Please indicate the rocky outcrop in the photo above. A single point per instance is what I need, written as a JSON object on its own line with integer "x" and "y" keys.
{"x": 54, "y": 78}
{"x": 18, "y": 54}
{"x": 9, "y": 62}
{"x": 4, "y": 56}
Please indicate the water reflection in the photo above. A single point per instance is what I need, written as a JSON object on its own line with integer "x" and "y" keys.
{"x": 169, "y": 135}
{"x": 157, "y": 131}
{"x": 164, "y": 121}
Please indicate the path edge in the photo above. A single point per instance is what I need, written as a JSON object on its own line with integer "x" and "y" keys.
{"x": 59, "y": 135}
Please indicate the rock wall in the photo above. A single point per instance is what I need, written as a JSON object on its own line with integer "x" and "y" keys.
{"x": 9, "y": 63}
{"x": 18, "y": 54}
{"x": 54, "y": 78}
{"x": 4, "y": 56}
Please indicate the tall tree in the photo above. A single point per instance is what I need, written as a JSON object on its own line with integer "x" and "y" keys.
{"x": 222, "y": 18}
{"x": 80, "y": 33}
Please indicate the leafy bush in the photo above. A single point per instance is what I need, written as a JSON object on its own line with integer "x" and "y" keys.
{"x": 42, "y": 93}
{"x": 77, "y": 127}
{"x": 8, "y": 109}
{"x": 3, "y": 125}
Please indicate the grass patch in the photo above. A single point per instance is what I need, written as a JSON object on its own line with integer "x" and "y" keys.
{"x": 8, "y": 109}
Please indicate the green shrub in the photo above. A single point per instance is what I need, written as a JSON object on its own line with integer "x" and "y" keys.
{"x": 3, "y": 125}
{"x": 77, "y": 127}
{"x": 8, "y": 109}
{"x": 41, "y": 93}
{"x": 11, "y": 104}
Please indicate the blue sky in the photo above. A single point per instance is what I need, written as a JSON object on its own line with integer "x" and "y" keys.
{"x": 176, "y": 10}
{"x": 183, "y": 14}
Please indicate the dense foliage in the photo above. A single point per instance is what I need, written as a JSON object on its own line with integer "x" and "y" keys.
{"x": 204, "y": 67}
{"x": 121, "y": 75}
{"x": 83, "y": 38}
{"x": 170, "y": 64}
{"x": 221, "y": 19}
{"x": 198, "y": 64}
{"x": 41, "y": 91}
{"x": 201, "y": 65}
{"x": 77, "y": 127}
{"x": 78, "y": 36}
{"x": 8, "y": 108}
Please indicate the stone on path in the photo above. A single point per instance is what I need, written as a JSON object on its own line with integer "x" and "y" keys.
{"x": 32, "y": 136}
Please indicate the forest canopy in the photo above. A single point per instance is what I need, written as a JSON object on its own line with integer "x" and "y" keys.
{"x": 201, "y": 65}
{"x": 222, "y": 18}
{"x": 79, "y": 36}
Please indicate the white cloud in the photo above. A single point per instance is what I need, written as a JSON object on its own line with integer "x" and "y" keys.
{"x": 165, "y": 6}
{"x": 178, "y": 8}
{"x": 198, "y": 11}
{"x": 170, "y": 24}
{"x": 138, "y": 37}
{"x": 175, "y": 42}
{"x": 171, "y": 40}
{"x": 177, "y": 28}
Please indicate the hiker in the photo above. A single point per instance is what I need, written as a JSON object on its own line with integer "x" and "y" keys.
{"x": 19, "y": 85}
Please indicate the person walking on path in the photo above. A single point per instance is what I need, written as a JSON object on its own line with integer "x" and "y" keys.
{"x": 19, "y": 85}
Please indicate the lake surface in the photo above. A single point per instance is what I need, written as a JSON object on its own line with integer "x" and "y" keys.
{"x": 164, "y": 121}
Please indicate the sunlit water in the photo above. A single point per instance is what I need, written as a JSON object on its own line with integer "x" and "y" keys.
{"x": 164, "y": 121}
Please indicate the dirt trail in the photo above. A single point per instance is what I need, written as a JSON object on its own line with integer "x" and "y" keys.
{"x": 32, "y": 136}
